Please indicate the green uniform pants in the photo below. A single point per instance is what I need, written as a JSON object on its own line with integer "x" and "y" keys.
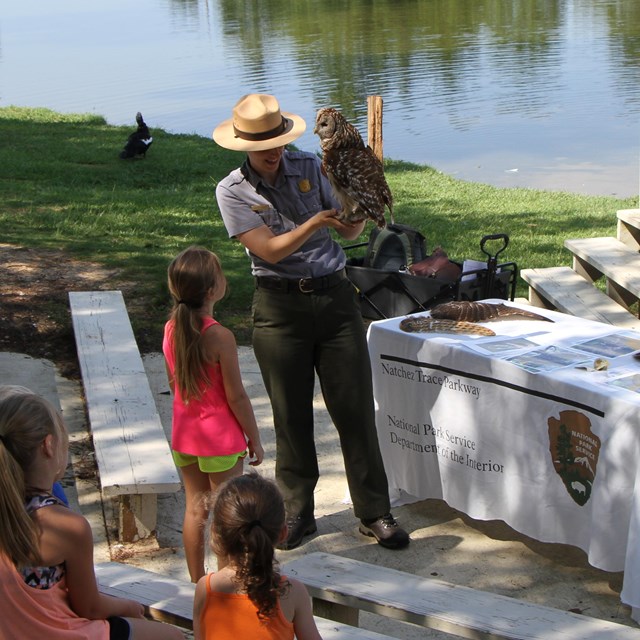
{"x": 298, "y": 334}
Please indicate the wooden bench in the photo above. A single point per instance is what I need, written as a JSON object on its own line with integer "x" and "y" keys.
{"x": 341, "y": 587}
{"x": 132, "y": 453}
{"x": 169, "y": 600}
{"x": 563, "y": 289}
{"x": 594, "y": 258}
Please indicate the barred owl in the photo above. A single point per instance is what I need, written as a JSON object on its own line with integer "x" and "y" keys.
{"x": 355, "y": 173}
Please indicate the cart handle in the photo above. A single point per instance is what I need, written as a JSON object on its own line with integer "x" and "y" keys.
{"x": 355, "y": 246}
{"x": 495, "y": 236}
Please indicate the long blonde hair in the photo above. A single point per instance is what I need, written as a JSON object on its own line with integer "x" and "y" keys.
{"x": 192, "y": 276}
{"x": 26, "y": 419}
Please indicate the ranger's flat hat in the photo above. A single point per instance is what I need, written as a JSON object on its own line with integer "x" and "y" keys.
{"x": 258, "y": 124}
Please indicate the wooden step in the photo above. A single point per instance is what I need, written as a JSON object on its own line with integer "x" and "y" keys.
{"x": 563, "y": 289}
{"x": 608, "y": 257}
{"x": 628, "y": 231}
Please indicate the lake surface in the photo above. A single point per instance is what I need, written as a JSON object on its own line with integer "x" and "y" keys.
{"x": 534, "y": 93}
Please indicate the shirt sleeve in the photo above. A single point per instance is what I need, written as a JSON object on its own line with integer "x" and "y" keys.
{"x": 236, "y": 197}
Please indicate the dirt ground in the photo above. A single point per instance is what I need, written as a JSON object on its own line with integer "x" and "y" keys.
{"x": 34, "y": 303}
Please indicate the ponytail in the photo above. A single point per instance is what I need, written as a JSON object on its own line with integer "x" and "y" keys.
{"x": 248, "y": 519}
{"x": 190, "y": 362}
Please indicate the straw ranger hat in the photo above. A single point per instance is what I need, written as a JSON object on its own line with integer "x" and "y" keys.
{"x": 258, "y": 124}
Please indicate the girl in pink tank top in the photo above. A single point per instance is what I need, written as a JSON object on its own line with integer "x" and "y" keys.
{"x": 213, "y": 422}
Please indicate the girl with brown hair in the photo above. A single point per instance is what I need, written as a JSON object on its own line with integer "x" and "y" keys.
{"x": 248, "y": 597}
{"x": 213, "y": 421}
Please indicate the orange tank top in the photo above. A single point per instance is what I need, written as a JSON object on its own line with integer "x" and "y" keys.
{"x": 231, "y": 616}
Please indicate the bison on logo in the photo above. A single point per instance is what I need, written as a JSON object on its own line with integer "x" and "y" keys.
{"x": 574, "y": 452}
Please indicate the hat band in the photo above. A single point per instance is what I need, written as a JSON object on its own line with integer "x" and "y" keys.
{"x": 263, "y": 135}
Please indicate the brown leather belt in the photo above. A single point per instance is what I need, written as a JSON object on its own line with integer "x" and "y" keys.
{"x": 301, "y": 285}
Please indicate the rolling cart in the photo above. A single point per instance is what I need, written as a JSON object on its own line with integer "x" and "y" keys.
{"x": 390, "y": 293}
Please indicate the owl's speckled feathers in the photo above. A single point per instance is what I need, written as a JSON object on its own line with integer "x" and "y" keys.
{"x": 354, "y": 171}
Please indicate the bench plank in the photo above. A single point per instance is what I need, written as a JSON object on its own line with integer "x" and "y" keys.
{"x": 131, "y": 447}
{"x": 170, "y": 600}
{"x": 164, "y": 598}
{"x": 427, "y": 602}
{"x": 611, "y": 258}
{"x": 563, "y": 289}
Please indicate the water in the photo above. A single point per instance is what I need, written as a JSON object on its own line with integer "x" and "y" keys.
{"x": 535, "y": 93}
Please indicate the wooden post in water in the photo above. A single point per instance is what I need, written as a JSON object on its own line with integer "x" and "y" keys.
{"x": 374, "y": 121}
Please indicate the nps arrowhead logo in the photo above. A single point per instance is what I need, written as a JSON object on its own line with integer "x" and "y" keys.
{"x": 574, "y": 452}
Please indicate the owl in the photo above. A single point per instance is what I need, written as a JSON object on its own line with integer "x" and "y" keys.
{"x": 354, "y": 171}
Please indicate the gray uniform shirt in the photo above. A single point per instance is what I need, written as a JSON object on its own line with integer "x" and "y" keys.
{"x": 247, "y": 202}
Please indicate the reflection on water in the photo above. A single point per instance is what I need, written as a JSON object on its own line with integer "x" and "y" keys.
{"x": 540, "y": 93}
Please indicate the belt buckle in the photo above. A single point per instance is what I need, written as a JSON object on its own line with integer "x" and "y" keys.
{"x": 302, "y": 284}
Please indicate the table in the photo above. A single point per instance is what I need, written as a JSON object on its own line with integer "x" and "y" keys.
{"x": 549, "y": 448}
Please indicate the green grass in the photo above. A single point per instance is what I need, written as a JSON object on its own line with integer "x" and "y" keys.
{"x": 63, "y": 186}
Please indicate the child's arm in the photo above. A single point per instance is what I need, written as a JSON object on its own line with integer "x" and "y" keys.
{"x": 170, "y": 378}
{"x": 67, "y": 537}
{"x": 303, "y": 623}
{"x": 222, "y": 342}
{"x": 198, "y": 605}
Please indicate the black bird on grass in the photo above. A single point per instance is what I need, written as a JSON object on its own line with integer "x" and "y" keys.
{"x": 138, "y": 142}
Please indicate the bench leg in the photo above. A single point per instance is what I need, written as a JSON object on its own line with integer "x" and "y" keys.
{"x": 335, "y": 612}
{"x": 138, "y": 517}
{"x": 620, "y": 295}
{"x": 536, "y": 300}
{"x": 628, "y": 234}
{"x": 586, "y": 270}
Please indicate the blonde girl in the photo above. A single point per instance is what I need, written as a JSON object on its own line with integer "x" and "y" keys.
{"x": 48, "y": 586}
{"x": 247, "y": 597}
{"x": 213, "y": 421}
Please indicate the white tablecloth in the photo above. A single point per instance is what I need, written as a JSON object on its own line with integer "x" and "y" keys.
{"x": 554, "y": 454}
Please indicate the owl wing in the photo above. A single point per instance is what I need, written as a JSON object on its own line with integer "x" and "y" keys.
{"x": 359, "y": 174}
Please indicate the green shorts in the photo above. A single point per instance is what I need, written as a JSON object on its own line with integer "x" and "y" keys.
{"x": 208, "y": 464}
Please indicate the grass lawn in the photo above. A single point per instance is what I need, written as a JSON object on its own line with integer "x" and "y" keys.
{"x": 63, "y": 186}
